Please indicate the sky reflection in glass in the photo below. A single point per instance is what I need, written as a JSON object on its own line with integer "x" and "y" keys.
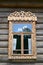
{"x": 22, "y": 27}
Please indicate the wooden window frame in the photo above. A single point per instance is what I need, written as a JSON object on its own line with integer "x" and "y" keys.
{"x": 22, "y": 56}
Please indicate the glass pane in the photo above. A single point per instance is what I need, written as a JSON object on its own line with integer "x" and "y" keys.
{"x": 22, "y": 27}
{"x": 27, "y": 44}
{"x": 17, "y": 44}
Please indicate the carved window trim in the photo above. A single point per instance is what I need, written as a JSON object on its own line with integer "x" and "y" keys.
{"x": 28, "y": 19}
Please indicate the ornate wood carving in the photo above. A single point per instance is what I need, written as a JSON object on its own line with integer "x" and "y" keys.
{"x": 22, "y": 15}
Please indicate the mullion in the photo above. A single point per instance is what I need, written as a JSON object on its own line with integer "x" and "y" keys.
{"x": 21, "y": 43}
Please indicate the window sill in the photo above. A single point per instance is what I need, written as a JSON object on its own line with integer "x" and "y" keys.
{"x": 22, "y": 57}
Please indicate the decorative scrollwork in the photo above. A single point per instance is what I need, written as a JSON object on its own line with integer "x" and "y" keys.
{"x": 22, "y": 15}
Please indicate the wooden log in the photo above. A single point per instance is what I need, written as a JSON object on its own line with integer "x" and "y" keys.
{"x": 3, "y": 44}
{"x": 39, "y": 25}
{"x": 3, "y": 37}
{"x": 39, "y": 38}
{"x": 39, "y": 32}
{"x": 3, "y": 31}
{"x": 3, "y": 20}
{"x": 39, "y": 50}
{"x": 3, "y": 26}
{"x": 39, "y": 44}
{"x": 3, "y": 50}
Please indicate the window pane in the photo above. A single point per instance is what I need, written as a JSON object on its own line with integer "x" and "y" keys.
{"x": 17, "y": 44}
{"x": 22, "y": 27}
{"x": 27, "y": 44}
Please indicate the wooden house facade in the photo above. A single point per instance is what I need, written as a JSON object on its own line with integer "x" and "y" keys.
{"x": 6, "y": 8}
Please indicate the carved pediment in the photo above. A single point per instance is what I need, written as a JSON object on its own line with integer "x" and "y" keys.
{"x": 22, "y": 15}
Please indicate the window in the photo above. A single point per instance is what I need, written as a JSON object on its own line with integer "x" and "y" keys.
{"x": 22, "y": 35}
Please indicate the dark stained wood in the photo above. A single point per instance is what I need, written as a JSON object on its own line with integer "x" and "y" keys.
{"x": 21, "y": 4}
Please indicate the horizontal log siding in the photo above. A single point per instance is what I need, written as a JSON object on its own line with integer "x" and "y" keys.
{"x": 4, "y": 12}
{"x": 21, "y": 63}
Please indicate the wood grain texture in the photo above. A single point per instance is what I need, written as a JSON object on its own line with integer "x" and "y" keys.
{"x": 3, "y": 44}
{"x": 3, "y": 31}
{"x": 4, "y": 12}
{"x": 3, "y": 37}
{"x": 39, "y": 38}
{"x": 21, "y": 63}
{"x": 3, "y": 50}
{"x": 39, "y": 32}
{"x": 39, "y": 26}
{"x": 3, "y": 26}
{"x": 38, "y": 10}
{"x": 3, "y": 20}
{"x": 39, "y": 51}
{"x": 39, "y": 44}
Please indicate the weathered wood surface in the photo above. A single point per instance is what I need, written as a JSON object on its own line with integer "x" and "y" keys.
{"x": 3, "y": 44}
{"x": 37, "y": 10}
{"x": 38, "y": 26}
{"x": 3, "y": 37}
{"x": 5, "y": 26}
{"x": 3, "y": 31}
{"x": 4, "y": 12}
{"x": 39, "y": 32}
{"x": 39, "y": 50}
{"x": 39, "y": 38}
{"x": 4, "y": 20}
{"x": 39, "y": 44}
{"x": 5, "y": 50}
{"x": 21, "y": 63}
{"x": 4, "y": 58}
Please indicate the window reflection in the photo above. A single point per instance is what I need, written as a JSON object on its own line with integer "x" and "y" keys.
{"x": 22, "y": 27}
{"x": 17, "y": 44}
{"x": 27, "y": 44}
